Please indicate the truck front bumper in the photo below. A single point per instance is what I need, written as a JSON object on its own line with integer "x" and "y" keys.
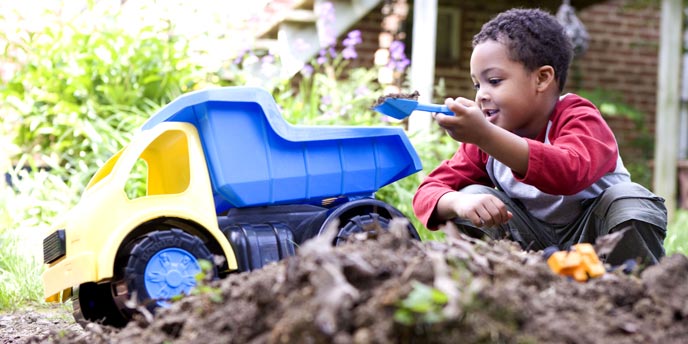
{"x": 66, "y": 273}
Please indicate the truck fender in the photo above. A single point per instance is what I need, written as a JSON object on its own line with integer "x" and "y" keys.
{"x": 193, "y": 228}
{"x": 364, "y": 206}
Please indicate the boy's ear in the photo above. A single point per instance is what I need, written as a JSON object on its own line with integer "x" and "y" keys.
{"x": 545, "y": 77}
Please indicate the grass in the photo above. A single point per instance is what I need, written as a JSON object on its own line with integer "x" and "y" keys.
{"x": 677, "y": 234}
{"x": 21, "y": 212}
{"x": 20, "y": 277}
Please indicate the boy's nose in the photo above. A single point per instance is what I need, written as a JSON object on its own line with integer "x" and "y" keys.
{"x": 481, "y": 97}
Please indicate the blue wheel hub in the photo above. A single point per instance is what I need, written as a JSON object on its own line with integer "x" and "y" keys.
{"x": 170, "y": 272}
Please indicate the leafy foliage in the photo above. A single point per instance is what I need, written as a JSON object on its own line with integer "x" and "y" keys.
{"x": 423, "y": 304}
{"x": 20, "y": 280}
{"x": 79, "y": 96}
{"x": 76, "y": 97}
{"x": 677, "y": 234}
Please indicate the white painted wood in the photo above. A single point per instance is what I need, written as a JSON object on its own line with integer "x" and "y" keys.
{"x": 300, "y": 36}
{"x": 668, "y": 103}
{"x": 423, "y": 59}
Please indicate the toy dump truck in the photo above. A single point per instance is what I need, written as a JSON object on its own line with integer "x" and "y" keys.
{"x": 227, "y": 180}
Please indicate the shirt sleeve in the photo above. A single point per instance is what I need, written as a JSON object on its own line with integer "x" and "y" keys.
{"x": 581, "y": 150}
{"x": 466, "y": 167}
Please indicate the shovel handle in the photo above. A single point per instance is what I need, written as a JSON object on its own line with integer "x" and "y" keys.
{"x": 434, "y": 108}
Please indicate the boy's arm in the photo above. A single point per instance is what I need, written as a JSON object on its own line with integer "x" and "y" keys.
{"x": 582, "y": 150}
{"x": 466, "y": 167}
{"x": 470, "y": 125}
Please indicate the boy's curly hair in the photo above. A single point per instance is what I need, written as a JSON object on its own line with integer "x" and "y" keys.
{"x": 532, "y": 37}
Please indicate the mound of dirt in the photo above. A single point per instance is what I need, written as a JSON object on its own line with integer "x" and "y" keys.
{"x": 393, "y": 290}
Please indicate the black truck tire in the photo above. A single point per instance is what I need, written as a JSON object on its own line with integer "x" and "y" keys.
{"x": 361, "y": 223}
{"x": 163, "y": 264}
{"x": 93, "y": 302}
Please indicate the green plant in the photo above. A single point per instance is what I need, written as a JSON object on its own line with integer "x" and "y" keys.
{"x": 326, "y": 91}
{"x": 203, "y": 287}
{"x": 20, "y": 275}
{"x": 677, "y": 234}
{"x": 433, "y": 146}
{"x": 77, "y": 95}
{"x": 422, "y": 305}
{"x": 26, "y": 207}
{"x": 612, "y": 104}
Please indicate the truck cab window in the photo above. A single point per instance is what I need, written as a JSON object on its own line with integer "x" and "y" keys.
{"x": 163, "y": 167}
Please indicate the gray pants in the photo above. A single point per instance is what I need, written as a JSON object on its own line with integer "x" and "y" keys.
{"x": 621, "y": 206}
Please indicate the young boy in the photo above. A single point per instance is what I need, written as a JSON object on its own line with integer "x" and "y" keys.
{"x": 536, "y": 167}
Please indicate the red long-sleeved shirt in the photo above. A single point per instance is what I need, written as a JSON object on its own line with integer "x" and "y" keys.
{"x": 575, "y": 157}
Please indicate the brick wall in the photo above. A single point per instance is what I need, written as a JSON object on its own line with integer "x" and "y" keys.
{"x": 622, "y": 57}
{"x": 623, "y": 51}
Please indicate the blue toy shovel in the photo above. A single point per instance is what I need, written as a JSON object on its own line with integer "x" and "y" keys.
{"x": 401, "y": 108}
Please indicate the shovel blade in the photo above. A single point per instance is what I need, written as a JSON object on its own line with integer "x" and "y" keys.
{"x": 397, "y": 107}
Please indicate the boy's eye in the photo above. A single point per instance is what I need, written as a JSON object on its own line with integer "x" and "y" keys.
{"x": 476, "y": 86}
{"x": 494, "y": 81}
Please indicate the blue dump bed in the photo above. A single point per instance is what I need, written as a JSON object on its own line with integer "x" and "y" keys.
{"x": 256, "y": 158}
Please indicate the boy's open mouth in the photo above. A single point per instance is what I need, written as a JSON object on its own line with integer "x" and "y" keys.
{"x": 490, "y": 113}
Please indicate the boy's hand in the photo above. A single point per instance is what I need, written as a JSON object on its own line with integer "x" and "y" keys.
{"x": 481, "y": 209}
{"x": 468, "y": 123}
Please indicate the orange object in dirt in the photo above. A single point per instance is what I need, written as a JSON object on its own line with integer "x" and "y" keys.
{"x": 580, "y": 262}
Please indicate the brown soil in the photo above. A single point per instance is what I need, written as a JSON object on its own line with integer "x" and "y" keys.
{"x": 382, "y": 99}
{"x": 490, "y": 292}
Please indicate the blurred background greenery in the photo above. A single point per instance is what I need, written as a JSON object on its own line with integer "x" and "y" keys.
{"x": 76, "y": 86}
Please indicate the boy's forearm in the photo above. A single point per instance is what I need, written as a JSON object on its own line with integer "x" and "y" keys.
{"x": 506, "y": 147}
{"x": 445, "y": 206}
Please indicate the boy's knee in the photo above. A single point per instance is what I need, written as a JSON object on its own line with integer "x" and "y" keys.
{"x": 641, "y": 241}
{"x": 625, "y": 202}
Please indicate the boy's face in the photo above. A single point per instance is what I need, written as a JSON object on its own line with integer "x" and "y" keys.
{"x": 505, "y": 91}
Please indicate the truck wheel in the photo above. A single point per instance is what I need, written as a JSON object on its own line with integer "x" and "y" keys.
{"x": 164, "y": 264}
{"x": 361, "y": 223}
{"x": 94, "y": 303}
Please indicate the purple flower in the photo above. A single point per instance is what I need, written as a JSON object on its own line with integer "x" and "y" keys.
{"x": 326, "y": 100}
{"x": 307, "y": 70}
{"x": 349, "y": 53}
{"x": 352, "y": 38}
{"x": 396, "y": 50}
{"x": 398, "y": 59}
{"x": 322, "y": 59}
{"x": 401, "y": 65}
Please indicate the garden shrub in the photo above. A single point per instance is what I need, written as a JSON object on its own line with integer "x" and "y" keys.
{"x": 76, "y": 96}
